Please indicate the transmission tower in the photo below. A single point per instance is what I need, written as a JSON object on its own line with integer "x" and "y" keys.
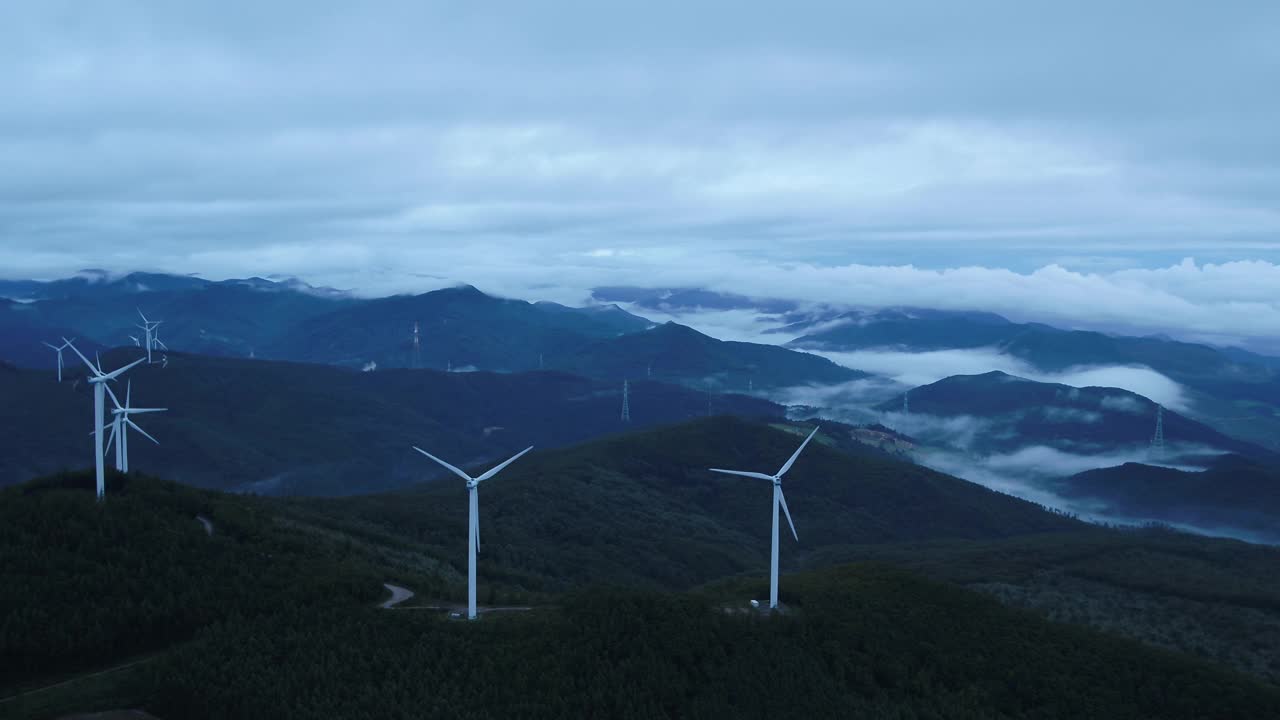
{"x": 626, "y": 401}
{"x": 1157, "y": 441}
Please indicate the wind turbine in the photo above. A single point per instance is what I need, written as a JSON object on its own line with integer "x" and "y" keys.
{"x": 148, "y": 327}
{"x": 121, "y": 424}
{"x": 58, "y": 349}
{"x": 98, "y": 380}
{"x": 778, "y": 500}
{"x": 473, "y": 522}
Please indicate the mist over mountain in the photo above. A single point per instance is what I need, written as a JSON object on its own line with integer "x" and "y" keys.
{"x": 1016, "y": 412}
{"x": 1036, "y": 440}
{"x": 1233, "y": 495}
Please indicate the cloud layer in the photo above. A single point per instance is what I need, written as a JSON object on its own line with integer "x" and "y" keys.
{"x": 1021, "y": 159}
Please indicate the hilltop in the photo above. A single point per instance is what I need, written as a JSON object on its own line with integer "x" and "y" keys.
{"x": 1233, "y": 492}
{"x": 1021, "y": 412}
{"x": 643, "y": 509}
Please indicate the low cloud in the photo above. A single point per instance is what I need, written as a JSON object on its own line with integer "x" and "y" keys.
{"x": 957, "y": 431}
{"x": 1070, "y": 415}
{"x": 1123, "y": 403}
{"x": 1029, "y": 472}
{"x": 923, "y": 368}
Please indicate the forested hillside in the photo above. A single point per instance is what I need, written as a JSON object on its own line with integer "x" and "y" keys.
{"x": 643, "y": 508}
{"x": 859, "y": 642}
{"x": 272, "y": 427}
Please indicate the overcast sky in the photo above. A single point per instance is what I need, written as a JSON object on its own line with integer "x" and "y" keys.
{"x": 1050, "y": 160}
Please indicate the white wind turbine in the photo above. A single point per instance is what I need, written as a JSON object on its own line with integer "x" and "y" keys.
{"x": 58, "y": 349}
{"x": 778, "y": 500}
{"x": 121, "y": 424}
{"x": 473, "y": 522}
{"x": 148, "y": 327}
{"x": 98, "y": 380}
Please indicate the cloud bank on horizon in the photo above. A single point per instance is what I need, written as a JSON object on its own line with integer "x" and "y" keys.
{"x": 1054, "y": 163}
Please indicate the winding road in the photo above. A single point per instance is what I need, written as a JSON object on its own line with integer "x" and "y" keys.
{"x": 398, "y": 595}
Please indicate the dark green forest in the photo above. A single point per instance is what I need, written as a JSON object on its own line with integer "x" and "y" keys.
{"x": 858, "y": 641}
{"x": 636, "y": 565}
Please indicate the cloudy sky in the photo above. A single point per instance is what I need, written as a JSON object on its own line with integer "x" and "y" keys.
{"x": 1097, "y": 164}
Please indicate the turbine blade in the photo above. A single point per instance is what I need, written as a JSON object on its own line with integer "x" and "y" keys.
{"x": 494, "y": 471}
{"x": 115, "y": 400}
{"x": 110, "y": 438}
{"x": 95, "y": 370}
{"x": 447, "y": 466}
{"x": 144, "y": 317}
{"x": 51, "y": 346}
{"x": 128, "y": 393}
{"x": 787, "y": 467}
{"x": 760, "y": 476}
{"x": 117, "y": 373}
{"x": 134, "y": 425}
{"x": 161, "y": 344}
{"x": 135, "y": 411}
{"x": 787, "y": 512}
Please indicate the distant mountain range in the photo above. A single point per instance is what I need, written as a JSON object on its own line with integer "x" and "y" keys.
{"x": 274, "y": 427}
{"x": 458, "y": 328}
{"x": 1014, "y": 412}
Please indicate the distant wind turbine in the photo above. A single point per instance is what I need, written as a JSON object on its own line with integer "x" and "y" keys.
{"x": 121, "y": 424}
{"x": 58, "y": 349}
{"x": 779, "y": 500}
{"x": 148, "y": 328}
{"x": 473, "y": 522}
{"x": 98, "y": 380}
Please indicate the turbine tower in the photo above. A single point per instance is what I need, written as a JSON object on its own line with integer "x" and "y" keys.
{"x": 473, "y": 522}
{"x": 906, "y": 405}
{"x": 121, "y": 424}
{"x": 779, "y": 500}
{"x": 98, "y": 380}
{"x": 626, "y": 401}
{"x": 58, "y": 349}
{"x": 1157, "y": 440}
